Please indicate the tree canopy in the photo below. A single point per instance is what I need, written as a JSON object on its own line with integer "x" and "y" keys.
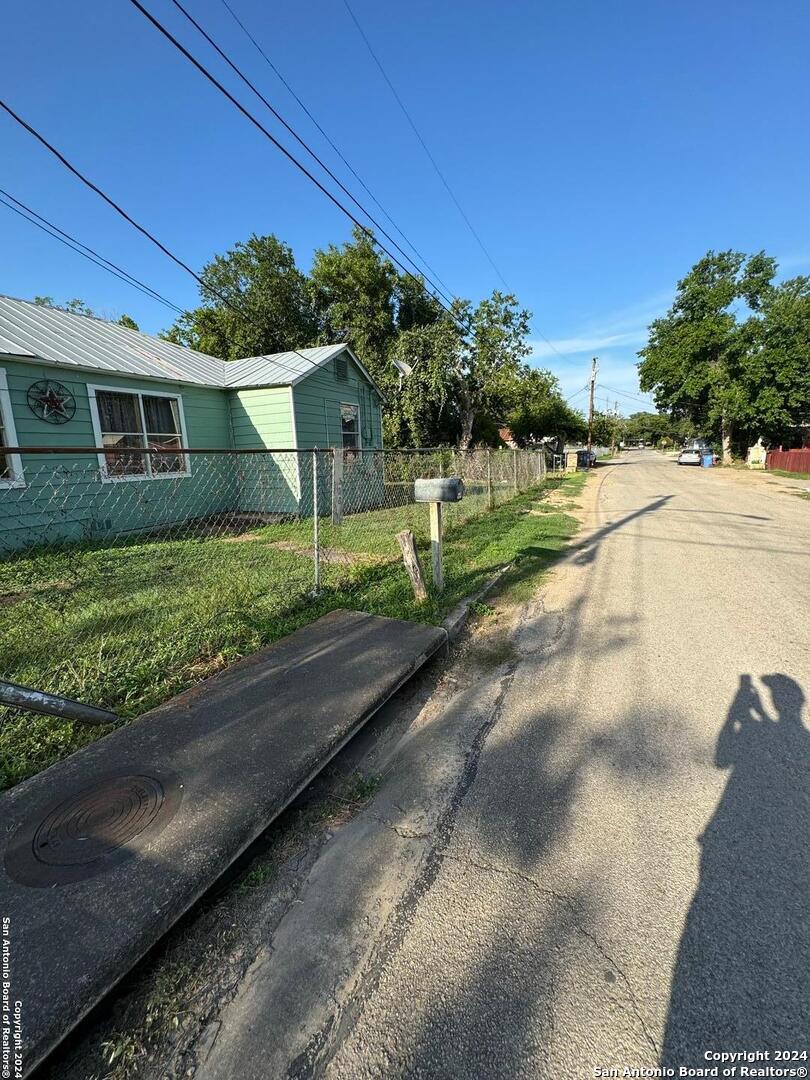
{"x": 732, "y": 355}
{"x": 78, "y": 307}
{"x": 447, "y": 378}
{"x": 255, "y": 300}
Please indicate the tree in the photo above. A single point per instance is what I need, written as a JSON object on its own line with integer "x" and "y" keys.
{"x": 731, "y": 356}
{"x": 539, "y": 410}
{"x": 78, "y": 307}
{"x": 698, "y": 356}
{"x": 647, "y": 427}
{"x": 255, "y": 300}
{"x": 775, "y": 372}
{"x": 421, "y": 409}
{"x": 468, "y": 366}
{"x": 360, "y": 298}
{"x": 354, "y": 293}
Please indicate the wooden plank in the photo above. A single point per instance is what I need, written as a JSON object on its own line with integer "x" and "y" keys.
{"x": 410, "y": 557}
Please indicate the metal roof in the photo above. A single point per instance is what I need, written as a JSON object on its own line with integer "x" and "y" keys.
{"x": 278, "y": 368}
{"x": 31, "y": 332}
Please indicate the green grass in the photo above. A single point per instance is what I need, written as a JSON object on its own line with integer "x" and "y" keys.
{"x": 790, "y": 475}
{"x": 127, "y": 626}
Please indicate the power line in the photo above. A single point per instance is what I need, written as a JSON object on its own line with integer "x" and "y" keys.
{"x": 331, "y": 142}
{"x": 205, "y": 288}
{"x": 288, "y": 154}
{"x": 48, "y": 227}
{"x": 576, "y": 393}
{"x": 423, "y": 144}
{"x": 623, "y": 393}
{"x": 220, "y": 52}
{"x": 433, "y": 162}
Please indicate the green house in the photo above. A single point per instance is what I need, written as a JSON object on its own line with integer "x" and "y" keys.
{"x": 72, "y": 381}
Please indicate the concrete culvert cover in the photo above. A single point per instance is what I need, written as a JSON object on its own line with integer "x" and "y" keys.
{"x": 93, "y": 829}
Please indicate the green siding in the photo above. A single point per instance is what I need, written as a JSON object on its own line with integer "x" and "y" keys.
{"x": 317, "y": 416}
{"x": 262, "y": 418}
{"x": 317, "y": 407}
{"x": 64, "y": 496}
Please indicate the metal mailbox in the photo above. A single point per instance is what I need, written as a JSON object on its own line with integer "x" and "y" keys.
{"x": 444, "y": 489}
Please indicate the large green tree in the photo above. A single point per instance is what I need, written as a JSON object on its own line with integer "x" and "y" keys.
{"x": 731, "y": 355}
{"x": 255, "y": 300}
{"x": 362, "y": 299}
{"x": 468, "y": 366}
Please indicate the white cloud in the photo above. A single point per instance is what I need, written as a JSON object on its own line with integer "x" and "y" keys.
{"x": 615, "y": 339}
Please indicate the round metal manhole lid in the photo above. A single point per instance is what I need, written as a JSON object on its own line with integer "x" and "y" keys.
{"x": 93, "y": 829}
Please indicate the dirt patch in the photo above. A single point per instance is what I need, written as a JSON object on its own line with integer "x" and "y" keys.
{"x": 241, "y": 538}
{"x": 330, "y": 556}
{"x": 11, "y": 598}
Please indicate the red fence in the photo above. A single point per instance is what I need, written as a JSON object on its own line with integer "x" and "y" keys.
{"x": 789, "y": 460}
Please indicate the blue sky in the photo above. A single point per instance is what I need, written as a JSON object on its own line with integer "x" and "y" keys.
{"x": 599, "y": 149}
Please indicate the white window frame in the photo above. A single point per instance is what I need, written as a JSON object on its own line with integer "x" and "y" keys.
{"x": 139, "y": 394}
{"x": 359, "y": 446}
{"x": 10, "y": 433}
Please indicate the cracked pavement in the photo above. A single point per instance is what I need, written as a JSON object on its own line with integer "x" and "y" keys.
{"x": 594, "y": 854}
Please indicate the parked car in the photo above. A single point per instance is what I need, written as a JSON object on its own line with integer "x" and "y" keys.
{"x": 692, "y": 453}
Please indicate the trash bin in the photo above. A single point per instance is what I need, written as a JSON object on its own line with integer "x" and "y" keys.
{"x": 707, "y": 460}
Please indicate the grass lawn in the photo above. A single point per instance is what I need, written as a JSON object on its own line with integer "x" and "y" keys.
{"x": 790, "y": 475}
{"x": 127, "y": 626}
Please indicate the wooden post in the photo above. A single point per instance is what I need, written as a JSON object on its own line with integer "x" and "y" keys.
{"x": 515, "y": 470}
{"x": 436, "y": 545}
{"x": 410, "y": 557}
{"x": 337, "y": 486}
{"x": 490, "y": 493}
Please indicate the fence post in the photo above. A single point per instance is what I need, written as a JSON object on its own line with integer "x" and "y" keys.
{"x": 515, "y": 470}
{"x": 490, "y": 496}
{"x": 316, "y": 539}
{"x": 337, "y": 486}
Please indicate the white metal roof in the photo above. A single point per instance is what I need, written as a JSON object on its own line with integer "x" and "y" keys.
{"x": 48, "y": 335}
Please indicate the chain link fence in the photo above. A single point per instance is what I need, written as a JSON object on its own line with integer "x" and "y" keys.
{"x": 126, "y": 576}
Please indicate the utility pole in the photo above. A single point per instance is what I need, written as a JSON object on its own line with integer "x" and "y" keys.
{"x": 594, "y": 369}
{"x": 614, "y": 429}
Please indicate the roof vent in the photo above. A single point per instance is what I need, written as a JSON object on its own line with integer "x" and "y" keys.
{"x": 341, "y": 368}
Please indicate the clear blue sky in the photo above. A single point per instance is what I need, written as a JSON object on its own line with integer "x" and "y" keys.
{"x": 599, "y": 149}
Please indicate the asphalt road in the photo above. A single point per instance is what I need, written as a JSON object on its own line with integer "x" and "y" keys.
{"x": 618, "y": 870}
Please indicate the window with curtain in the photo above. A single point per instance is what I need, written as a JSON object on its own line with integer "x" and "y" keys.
{"x": 140, "y": 420}
{"x": 11, "y": 471}
{"x": 350, "y": 426}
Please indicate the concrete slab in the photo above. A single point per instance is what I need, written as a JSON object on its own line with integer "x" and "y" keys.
{"x": 105, "y": 850}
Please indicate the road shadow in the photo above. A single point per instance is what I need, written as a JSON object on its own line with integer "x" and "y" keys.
{"x": 742, "y": 976}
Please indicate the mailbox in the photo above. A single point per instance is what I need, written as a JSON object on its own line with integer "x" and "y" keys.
{"x": 442, "y": 490}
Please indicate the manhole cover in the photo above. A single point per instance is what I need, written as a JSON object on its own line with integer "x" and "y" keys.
{"x": 91, "y": 830}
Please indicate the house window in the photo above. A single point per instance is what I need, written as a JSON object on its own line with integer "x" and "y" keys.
{"x": 350, "y": 426}
{"x": 11, "y": 472}
{"x": 130, "y": 418}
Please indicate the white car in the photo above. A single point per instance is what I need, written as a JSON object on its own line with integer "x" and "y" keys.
{"x": 692, "y": 453}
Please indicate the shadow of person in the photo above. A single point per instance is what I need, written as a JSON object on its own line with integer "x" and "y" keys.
{"x": 742, "y": 975}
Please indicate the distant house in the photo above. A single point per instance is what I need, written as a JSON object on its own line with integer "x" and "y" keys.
{"x": 75, "y": 381}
